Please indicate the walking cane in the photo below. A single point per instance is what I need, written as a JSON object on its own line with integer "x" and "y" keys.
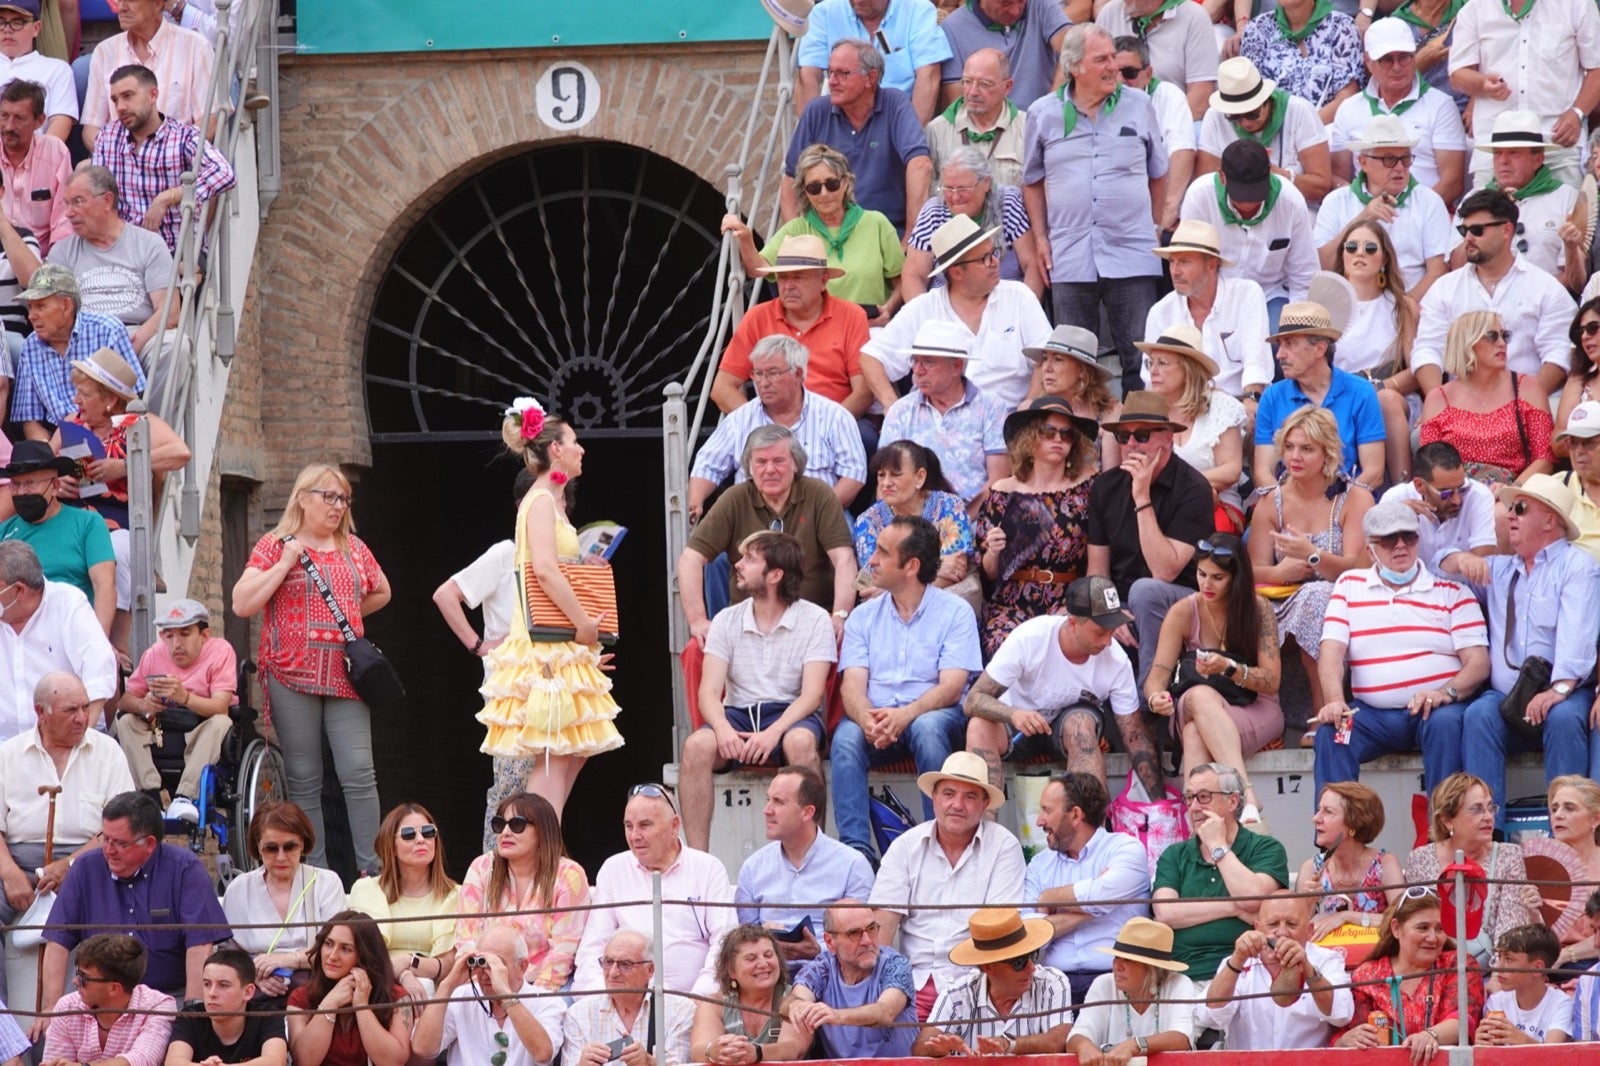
{"x": 51, "y": 791}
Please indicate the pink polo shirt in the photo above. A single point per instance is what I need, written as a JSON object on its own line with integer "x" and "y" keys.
{"x": 35, "y": 192}
{"x": 181, "y": 60}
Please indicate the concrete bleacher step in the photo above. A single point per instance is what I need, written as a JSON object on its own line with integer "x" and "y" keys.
{"x": 1283, "y": 781}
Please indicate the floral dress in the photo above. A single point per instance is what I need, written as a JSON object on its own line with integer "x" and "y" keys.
{"x": 1044, "y": 531}
{"x": 1300, "y": 616}
{"x": 546, "y": 697}
{"x": 551, "y": 937}
{"x": 944, "y": 509}
{"x": 1332, "y": 60}
{"x": 1366, "y": 898}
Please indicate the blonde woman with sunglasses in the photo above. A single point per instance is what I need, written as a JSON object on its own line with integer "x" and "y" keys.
{"x": 411, "y": 883}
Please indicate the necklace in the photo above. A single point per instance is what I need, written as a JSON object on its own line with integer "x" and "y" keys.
{"x": 1221, "y": 627}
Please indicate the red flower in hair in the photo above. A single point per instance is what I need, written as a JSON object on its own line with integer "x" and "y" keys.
{"x": 532, "y": 422}
{"x": 557, "y": 478}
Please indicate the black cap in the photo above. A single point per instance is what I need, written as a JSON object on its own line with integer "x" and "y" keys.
{"x": 1096, "y": 599}
{"x": 1247, "y": 170}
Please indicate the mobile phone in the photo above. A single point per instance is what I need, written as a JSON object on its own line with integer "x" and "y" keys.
{"x": 616, "y": 1047}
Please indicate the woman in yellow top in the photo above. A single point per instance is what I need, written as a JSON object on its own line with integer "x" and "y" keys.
{"x": 411, "y": 883}
{"x": 550, "y": 700}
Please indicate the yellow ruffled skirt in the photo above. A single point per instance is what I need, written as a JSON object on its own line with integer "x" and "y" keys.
{"x": 547, "y": 698}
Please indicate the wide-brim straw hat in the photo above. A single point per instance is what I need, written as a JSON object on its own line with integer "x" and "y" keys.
{"x": 967, "y": 768}
{"x": 1240, "y": 87}
{"x": 952, "y": 240}
{"x": 1194, "y": 235}
{"x": 802, "y": 251}
{"x": 1305, "y": 319}
{"x": 1000, "y": 934}
{"x": 1181, "y": 339}
{"x": 1147, "y": 941}
{"x": 1383, "y": 131}
{"x": 1515, "y": 129}
{"x": 1548, "y": 490}
{"x": 108, "y": 369}
{"x": 1075, "y": 341}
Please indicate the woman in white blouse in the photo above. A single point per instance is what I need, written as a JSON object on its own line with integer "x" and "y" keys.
{"x": 1182, "y": 373}
{"x": 1145, "y": 1004}
{"x": 1376, "y": 339}
{"x": 285, "y": 899}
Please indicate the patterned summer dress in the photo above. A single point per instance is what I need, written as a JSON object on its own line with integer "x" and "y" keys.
{"x": 1044, "y": 531}
{"x": 1300, "y": 616}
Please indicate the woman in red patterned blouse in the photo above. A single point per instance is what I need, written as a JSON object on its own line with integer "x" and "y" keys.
{"x": 302, "y": 651}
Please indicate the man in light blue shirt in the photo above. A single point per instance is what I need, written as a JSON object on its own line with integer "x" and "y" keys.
{"x": 1543, "y": 600}
{"x": 1084, "y": 864}
{"x": 801, "y": 864}
{"x": 908, "y": 653}
{"x": 905, "y": 32}
{"x": 857, "y": 995}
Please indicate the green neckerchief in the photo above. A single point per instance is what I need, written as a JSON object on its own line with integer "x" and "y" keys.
{"x": 1268, "y": 133}
{"x": 1450, "y": 12}
{"x": 1141, "y": 26}
{"x": 1231, "y": 218}
{"x": 1319, "y": 11}
{"x": 973, "y": 135}
{"x": 1069, "y": 109}
{"x": 1150, "y": 86}
{"x": 1542, "y": 182}
{"x": 1515, "y": 16}
{"x": 852, "y": 215}
{"x": 1359, "y": 187}
{"x": 995, "y": 26}
{"x": 1376, "y": 102}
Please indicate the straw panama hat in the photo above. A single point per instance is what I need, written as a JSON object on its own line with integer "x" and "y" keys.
{"x": 1000, "y": 934}
{"x": 1147, "y": 941}
{"x": 1181, "y": 339}
{"x": 1548, "y": 490}
{"x": 967, "y": 768}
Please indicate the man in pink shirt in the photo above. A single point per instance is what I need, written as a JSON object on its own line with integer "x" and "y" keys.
{"x": 34, "y": 165}
{"x": 180, "y": 58}
{"x": 95, "y": 1023}
{"x": 186, "y": 675}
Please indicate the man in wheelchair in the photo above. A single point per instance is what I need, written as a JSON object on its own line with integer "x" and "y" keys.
{"x": 186, "y": 682}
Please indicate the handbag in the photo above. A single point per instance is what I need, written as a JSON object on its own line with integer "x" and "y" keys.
{"x": 372, "y": 676}
{"x": 1186, "y": 675}
{"x": 596, "y": 589}
{"x": 1155, "y": 824}
{"x": 1533, "y": 676}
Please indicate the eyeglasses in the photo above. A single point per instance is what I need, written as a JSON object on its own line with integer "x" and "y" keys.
{"x": 814, "y": 188}
{"x": 31, "y": 485}
{"x": 1495, "y": 336}
{"x": 1589, "y": 328}
{"x": 1049, "y": 432}
{"x": 834, "y": 75}
{"x": 961, "y": 190}
{"x": 1204, "y": 796}
{"x": 517, "y": 825}
{"x": 13, "y": 25}
{"x": 655, "y": 791}
{"x": 1151, "y": 363}
{"x": 770, "y": 375}
{"x": 502, "y": 1042}
{"x": 623, "y": 966}
{"x": 869, "y": 931}
{"x": 982, "y": 84}
{"x": 409, "y": 832}
{"x": 1480, "y": 810}
{"x": 1389, "y": 162}
{"x": 77, "y": 203}
{"x": 84, "y": 979}
{"x": 1122, "y": 436}
{"x": 111, "y": 844}
{"x": 1388, "y": 541}
{"x": 332, "y": 498}
{"x": 1477, "y": 229}
{"x": 988, "y": 259}
{"x": 1370, "y": 247}
{"x": 287, "y": 849}
{"x": 1024, "y": 962}
{"x": 1221, "y": 551}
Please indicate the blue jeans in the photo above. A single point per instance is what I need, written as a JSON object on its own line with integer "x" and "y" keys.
{"x": 1376, "y": 731}
{"x": 929, "y": 740}
{"x": 1486, "y": 741}
{"x": 1127, "y": 302}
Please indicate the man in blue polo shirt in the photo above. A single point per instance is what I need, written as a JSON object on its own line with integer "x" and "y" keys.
{"x": 1029, "y": 32}
{"x": 907, "y": 656}
{"x": 875, "y": 127}
{"x": 906, "y": 33}
{"x": 1305, "y": 350}
{"x": 161, "y": 894}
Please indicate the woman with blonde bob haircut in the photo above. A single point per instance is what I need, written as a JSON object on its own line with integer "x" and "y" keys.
{"x": 302, "y": 670}
{"x": 1310, "y": 534}
{"x": 1498, "y": 420}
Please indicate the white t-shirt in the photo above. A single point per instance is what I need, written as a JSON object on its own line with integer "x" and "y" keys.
{"x": 1433, "y": 120}
{"x": 1174, "y": 117}
{"x": 1107, "y": 1023}
{"x": 1301, "y": 129}
{"x": 1472, "y": 527}
{"x": 490, "y": 582}
{"x": 1421, "y": 228}
{"x": 1369, "y": 336}
{"x": 1551, "y": 1015}
{"x": 1039, "y": 677}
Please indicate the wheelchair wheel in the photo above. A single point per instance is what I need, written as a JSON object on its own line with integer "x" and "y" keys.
{"x": 260, "y": 779}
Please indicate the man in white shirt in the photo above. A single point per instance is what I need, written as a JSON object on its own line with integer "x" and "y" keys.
{"x": 1262, "y": 223}
{"x": 1008, "y": 314}
{"x": 1172, "y": 115}
{"x": 958, "y": 856}
{"x": 1453, "y": 511}
{"x": 1396, "y": 89}
{"x": 20, "y": 58}
{"x": 1248, "y": 107}
{"x": 1550, "y": 221}
{"x": 691, "y": 932}
{"x": 1180, "y": 40}
{"x": 1277, "y": 956}
{"x": 1532, "y": 304}
{"x": 1229, "y": 312}
{"x": 1083, "y": 865}
{"x": 45, "y": 626}
{"x": 1530, "y": 55}
{"x": 1386, "y": 193}
{"x": 625, "y": 1015}
{"x": 1048, "y": 687}
{"x": 477, "y": 1014}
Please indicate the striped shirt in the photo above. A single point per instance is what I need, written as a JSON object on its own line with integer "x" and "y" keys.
{"x": 826, "y": 430}
{"x": 965, "y": 1010}
{"x": 140, "y": 1038}
{"x": 145, "y": 171}
{"x": 1584, "y": 1024}
{"x": 1402, "y": 641}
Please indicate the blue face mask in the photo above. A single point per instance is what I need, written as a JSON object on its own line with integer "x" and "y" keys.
{"x": 1396, "y": 577}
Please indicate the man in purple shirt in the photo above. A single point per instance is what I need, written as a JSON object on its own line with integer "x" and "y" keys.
{"x": 156, "y": 892}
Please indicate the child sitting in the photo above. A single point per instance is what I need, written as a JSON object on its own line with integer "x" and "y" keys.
{"x": 1526, "y": 1010}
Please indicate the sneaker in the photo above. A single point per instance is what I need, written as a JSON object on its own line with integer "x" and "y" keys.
{"x": 183, "y": 809}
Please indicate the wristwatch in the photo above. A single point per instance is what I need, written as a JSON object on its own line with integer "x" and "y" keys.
{"x": 1218, "y": 852}
{"x": 1562, "y": 688}
{"x": 1313, "y": 559}
{"x": 1369, "y": 12}
{"x": 1232, "y": 669}
{"x": 1450, "y": 690}
{"x": 1143, "y": 1044}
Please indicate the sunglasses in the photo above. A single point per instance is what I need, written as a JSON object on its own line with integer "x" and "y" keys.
{"x": 1419, "y": 891}
{"x": 1022, "y": 963}
{"x": 517, "y": 825}
{"x": 1352, "y": 247}
{"x": 1252, "y": 114}
{"x": 814, "y": 188}
{"x": 1589, "y": 328}
{"x": 1221, "y": 551}
{"x": 286, "y": 849}
{"x": 1447, "y": 494}
{"x": 655, "y": 791}
{"x": 1477, "y": 229}
{"x": 1389, "y": 162}
{"x": 1129, "y": 73}
{"x": 428, "y": 832}
{"x": 1389, "y": 540}
{"x": 1049, "y": 432}
{"x": 1141, "y": 435}
{"x": 502, "y": 1041}
{"x": 1495, "y": 336}
{"x": 1520, "y": 508}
